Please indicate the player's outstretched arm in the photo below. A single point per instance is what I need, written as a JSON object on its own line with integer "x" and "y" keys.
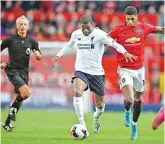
{"x": 63, "y": 50}
{"x": 111, "y": 42}
{"x": 61, "y": 53}
{"x": 159, "y": 30}
{"x": 37, "y": 54}
{"x": 121, "y": 49}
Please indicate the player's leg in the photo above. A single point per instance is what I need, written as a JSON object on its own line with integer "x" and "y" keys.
{"x": 96, "y": 84}
{"x": 159, "y": 119}
{"x": 23, "y": 94}
{"x": 14, "y": 107}
{"x": 137, "y": 106}
{"x": 126, "y": 86}
{"x": 79, "y": 85}
{"x": 99, "y": 101}
{"x": 7, "y": 124}
{"x": 138, "y": 83}
{"x": 8, "y": 120}
{"x": 136, "y": 114}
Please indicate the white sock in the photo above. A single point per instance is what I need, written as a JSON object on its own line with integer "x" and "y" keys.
{"x": 78, "y": 106}
{"x": 127, "y": 111}
{"x": 134, "y": 123}
{"x": 98, "y": 112}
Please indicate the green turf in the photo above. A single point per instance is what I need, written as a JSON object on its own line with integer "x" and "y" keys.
{"x": 52, "y": 127}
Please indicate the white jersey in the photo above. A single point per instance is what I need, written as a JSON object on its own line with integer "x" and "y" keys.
{"x": 90, "y": 50}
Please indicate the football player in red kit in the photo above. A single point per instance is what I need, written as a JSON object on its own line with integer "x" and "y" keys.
{"x": 131, "y": 35}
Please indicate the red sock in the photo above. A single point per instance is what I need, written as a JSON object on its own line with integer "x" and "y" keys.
{"x": 159, "y": 119}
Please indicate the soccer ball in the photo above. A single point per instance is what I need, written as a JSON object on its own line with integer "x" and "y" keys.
{"x": 78, "y": 132}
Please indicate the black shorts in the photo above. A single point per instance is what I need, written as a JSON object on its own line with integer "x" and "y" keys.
{"x": 17, "y": 77}
{"x": 94, "y": 82}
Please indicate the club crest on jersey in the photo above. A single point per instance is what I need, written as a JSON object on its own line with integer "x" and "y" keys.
{"x": 92, "y": 39}
{"x": 139, "y": 31}
{"x": 123, "y": 80}
{"x": 132, "y": 40}
{"x": 28, "y": 51}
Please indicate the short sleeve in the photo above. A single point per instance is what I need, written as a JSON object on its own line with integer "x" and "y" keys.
{"x": 113, "y": 33}
{"x": 4, "y": 44}
{"x": 35, "y": 45}
{"x": 149, "y": 28}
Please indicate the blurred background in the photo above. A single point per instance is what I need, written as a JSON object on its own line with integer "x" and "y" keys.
{"x": 51, "y": 24}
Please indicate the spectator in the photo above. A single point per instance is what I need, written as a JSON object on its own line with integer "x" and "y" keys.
{"x": 161, "y": 20}
{"x": 8, "y": 6}
{"x": 47, "y": 5}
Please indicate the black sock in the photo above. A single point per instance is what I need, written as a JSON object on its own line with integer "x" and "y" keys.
{"x": 127, "y": 105}
{"x": 18, "y": 107}
{"x": 8, "y": 120}
{"x": 136, "y": 111}
{"x": 17, "y": 101}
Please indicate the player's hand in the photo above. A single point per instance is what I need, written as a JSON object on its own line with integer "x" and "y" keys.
{"x": 37, "y": 54}
{"x": 54, "y": 60}
{"x": 3, "y": 65}
{"x": 130, "y": 57}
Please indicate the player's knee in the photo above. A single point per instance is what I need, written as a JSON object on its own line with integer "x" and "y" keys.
{"x": 138, "y": 100}
{"x": 78, "y": 93}
{"x": 100, "y": 104}
{"x": 25, "y": 93}
{"x": 130, "y": 100}
{"x": 138, "y": 97}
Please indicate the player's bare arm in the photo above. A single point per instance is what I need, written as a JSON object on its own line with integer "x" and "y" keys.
{"x": 121, "y": 49}
{"x": 159, "y": 30}
{"x": 63, "y": 50}
{"x": 37, "y": 54}
{"x": 54, "y": 60}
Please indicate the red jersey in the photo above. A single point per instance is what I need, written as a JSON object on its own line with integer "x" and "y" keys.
{"x": 132, "y": 39}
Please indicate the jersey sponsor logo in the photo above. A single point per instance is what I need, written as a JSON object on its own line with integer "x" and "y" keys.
{"x": 86, "y": 46}
{"x": 139, "y": 31}
{"x": 132, "y": 40}
{"x": 28, "y": 51}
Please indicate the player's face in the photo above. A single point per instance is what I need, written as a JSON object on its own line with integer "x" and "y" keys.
{"x": 22, "y": 26}
{"x": 131, "y": 20}
{"x": 86, "y": 28}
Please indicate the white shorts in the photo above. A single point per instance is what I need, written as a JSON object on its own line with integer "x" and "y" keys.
{"x": 135, "y": 78}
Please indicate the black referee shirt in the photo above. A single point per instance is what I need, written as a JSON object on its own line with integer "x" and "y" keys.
{"x": 19, "y": 50}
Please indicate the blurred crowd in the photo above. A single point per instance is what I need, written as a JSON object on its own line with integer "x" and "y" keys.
{"x": 55, "y": 20}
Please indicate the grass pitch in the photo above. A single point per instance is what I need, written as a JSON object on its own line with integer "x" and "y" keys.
{"x": 52, "y": 127}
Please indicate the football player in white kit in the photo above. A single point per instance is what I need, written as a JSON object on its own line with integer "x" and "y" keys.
{"x": 89, "y": 73}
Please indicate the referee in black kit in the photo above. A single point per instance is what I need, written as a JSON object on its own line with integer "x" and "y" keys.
{"x": 19, "y": 48}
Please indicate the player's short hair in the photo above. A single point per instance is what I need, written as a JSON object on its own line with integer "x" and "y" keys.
{"x": 85, "y": 19}
{"x": 131, "y": 10}
{"x": 21, "y": 17}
